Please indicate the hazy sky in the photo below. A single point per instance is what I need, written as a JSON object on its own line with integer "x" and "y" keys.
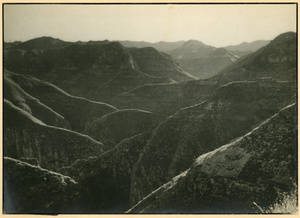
{"x": 217, "y": 25}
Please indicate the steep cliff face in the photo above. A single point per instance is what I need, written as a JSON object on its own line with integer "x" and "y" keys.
{"x": 256, "y": 167}
{"x": 27, "y": 137}
{"x": 231, "y": 112}
{"x": 31, "y": 189}
{"x": 113, "y": 128}
{"x": 79, "y": 112}
{"x": 106, "y": 180}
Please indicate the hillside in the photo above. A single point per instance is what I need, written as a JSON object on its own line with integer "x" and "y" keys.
{"x": 158, "y": 64}
{"x": 234, "y": 110}
{"x": 256, "y": 167}
{"x": 277, "y": 60}
{"x": 166, "y": 99}
{"x": 200, "y": 60}
{"x": 113, "y": 128}
{"x": 208, "y": 65}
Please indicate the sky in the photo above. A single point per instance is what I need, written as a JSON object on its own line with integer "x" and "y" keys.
{"x": 217, "y": 25}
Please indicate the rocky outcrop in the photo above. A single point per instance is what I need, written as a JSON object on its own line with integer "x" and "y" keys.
{"x": 79, "y": 112}
{"x": 256, "y": 167}
{"x": 233, "y": 111}
{"x": 27, "y": 137}
{"x": 106, "y": 180}
{"x": 31, "y": 189}
{"x": 113, "y": 128}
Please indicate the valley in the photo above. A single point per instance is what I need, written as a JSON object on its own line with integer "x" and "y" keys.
{"x": 115, "y": 127}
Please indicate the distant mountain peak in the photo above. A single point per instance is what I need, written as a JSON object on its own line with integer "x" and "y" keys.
{"x": 193, "y": 42}
{"x": 43, "y": 43}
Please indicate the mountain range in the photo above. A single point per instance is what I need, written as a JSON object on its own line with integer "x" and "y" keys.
{"x": 105, "y": 127}
{"x": 92, "y": 69}
{"x": 200, "y": 60}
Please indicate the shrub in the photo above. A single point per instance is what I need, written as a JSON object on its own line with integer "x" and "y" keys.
{"x": 287, "y": 203}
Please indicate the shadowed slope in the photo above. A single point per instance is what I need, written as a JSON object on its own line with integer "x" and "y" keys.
{"x": 31, "y": 189}
{"x": 106, "y": 180}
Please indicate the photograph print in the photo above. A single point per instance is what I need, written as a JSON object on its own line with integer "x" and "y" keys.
{"x": 150, "y": 108}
